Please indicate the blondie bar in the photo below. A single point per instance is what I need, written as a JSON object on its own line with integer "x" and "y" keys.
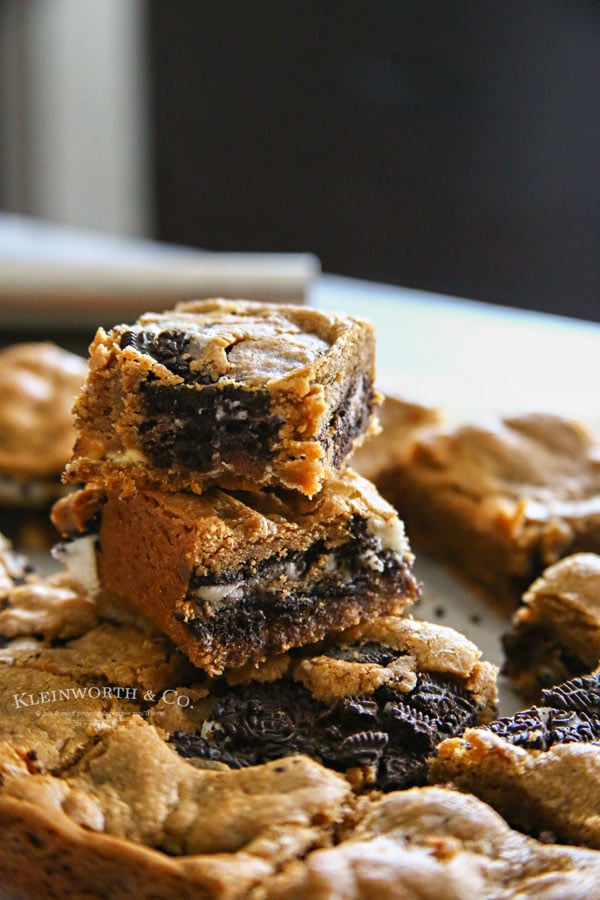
{"x": 502, "y": 500}
{"x": 132, "y": 819}
{"x": 233, "y": 578}
{"x": 225, "y": 392}
{"x": 67, "y": 675}
{"x": 539, "y": 768}
{"x": 372, "y": 704}
{"x": 555, "y": 634}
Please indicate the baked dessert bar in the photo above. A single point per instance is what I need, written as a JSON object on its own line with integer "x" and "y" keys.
{"x": 38, "y": 384}
{"x": 555, "y": 634}
{"x": 233, "y": 578}
{"x": 109, "y": 828}
{"x": 93, "y": 801}
{"x": 539, "y": 768}
{"x": 500, "y": 501}
{"x": 372, "y": 704}
{"x": 430, "y": 843}
{"x": 225, "y": 392}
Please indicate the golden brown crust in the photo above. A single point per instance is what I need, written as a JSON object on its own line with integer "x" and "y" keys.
{"x": 131, "y": 800}
{"x": 66, "y": 676}
{"x": 306, "y": 366}
{"x": 421, "y": 646}
{"x": 428, "y": 843}
{"x": 116, "y": 654}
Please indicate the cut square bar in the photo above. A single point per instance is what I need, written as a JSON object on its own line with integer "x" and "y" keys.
{"x": 233, "y": 578}
{"x": 225, "y": 392}
{"x": 500, "y": 500}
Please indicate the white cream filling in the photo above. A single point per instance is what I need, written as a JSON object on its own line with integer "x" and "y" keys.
{"x": 79, "y": 558}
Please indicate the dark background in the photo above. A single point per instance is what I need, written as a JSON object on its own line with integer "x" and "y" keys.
{"x": 452, "y": 146}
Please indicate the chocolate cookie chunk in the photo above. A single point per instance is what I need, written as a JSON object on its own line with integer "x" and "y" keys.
{"x": 539, "y": 768}
{"x": 373, "y": 706}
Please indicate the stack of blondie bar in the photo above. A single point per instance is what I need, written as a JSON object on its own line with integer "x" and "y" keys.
{"x": 212, "y": 441}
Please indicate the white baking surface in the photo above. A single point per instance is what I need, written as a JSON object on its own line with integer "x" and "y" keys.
{"x": 446, "y": 601}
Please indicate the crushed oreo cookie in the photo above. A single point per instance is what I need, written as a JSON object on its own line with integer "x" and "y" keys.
{"x": 178, "y": 418}
{"x": 303, "y": 571}
{"x": 579, "y": 694}
{"x": 367, "y": 652}
{"x": 171, "y": 348}
{"x": 257, "y": 605}
{"x": 390, "y": 732}
{"x": 570, "y": 714}
{"x": 351, "y": 416}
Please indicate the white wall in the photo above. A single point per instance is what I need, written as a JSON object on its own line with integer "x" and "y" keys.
{"x": 74, "y": 112}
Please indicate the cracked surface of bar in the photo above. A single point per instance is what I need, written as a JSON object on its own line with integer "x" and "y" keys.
{"x": 499, "y": 500}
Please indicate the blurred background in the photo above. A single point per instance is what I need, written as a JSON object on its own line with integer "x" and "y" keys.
{"x": 449, "y": 145}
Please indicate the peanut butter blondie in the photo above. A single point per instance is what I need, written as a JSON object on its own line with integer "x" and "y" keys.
{"x": 372, "y": 704}
{"x": 225, "y": 392}
{"x": 555, "y": 634}
{"x": 237, "y": 577}
{"x": 432, "y": 843}
{"x": 500, "y": 501}
{"x": 67, "y": 675}
{"x": 38, "y": 385}
{"x": 132, "y": 819}
{"x": 539, "y": 768}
